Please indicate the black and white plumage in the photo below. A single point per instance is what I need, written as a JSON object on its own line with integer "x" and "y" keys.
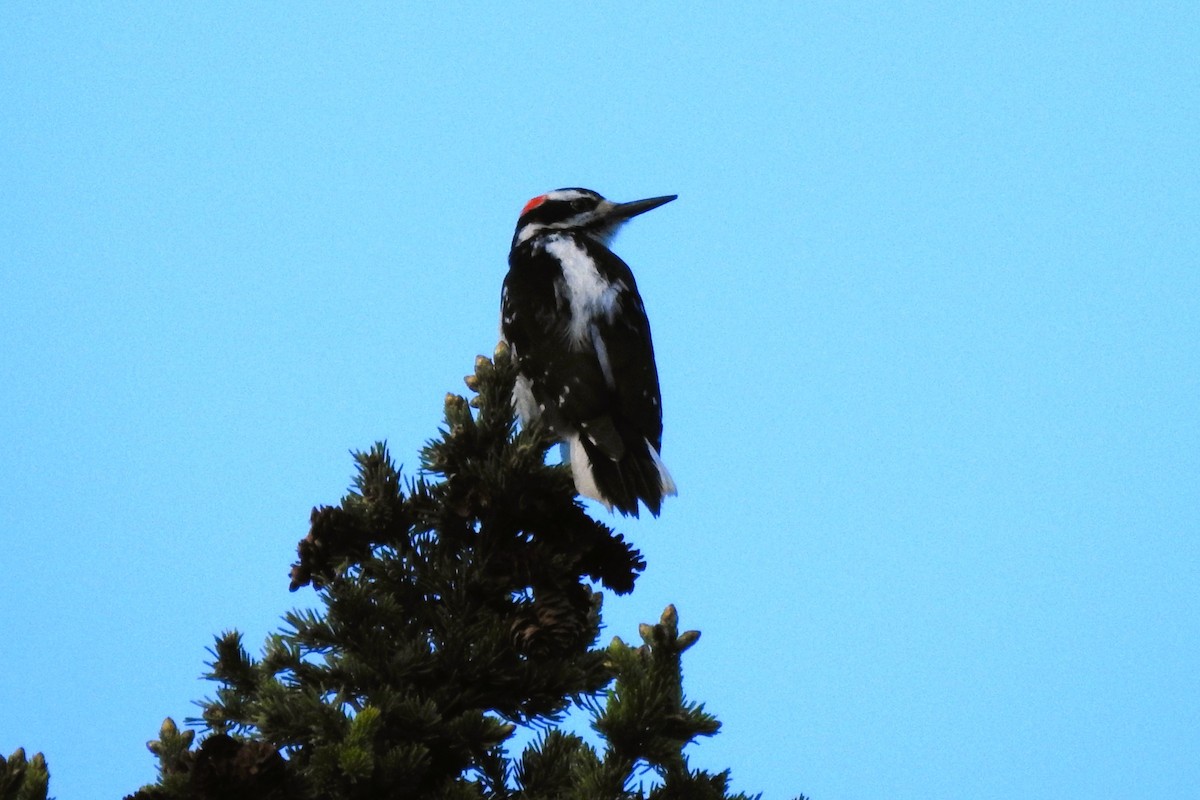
{"x": 572, "y": 315}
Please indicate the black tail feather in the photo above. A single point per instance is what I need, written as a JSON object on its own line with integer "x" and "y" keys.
{"x": 622, "y": 483}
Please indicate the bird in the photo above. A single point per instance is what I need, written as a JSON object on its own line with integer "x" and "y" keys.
{"x": 576, "y": 326}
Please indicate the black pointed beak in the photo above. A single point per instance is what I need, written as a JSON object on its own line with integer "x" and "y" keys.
{"x": 624, "y": 211}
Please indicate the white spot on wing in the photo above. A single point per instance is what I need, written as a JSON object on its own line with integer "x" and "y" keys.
{"x": 602, "y": 356}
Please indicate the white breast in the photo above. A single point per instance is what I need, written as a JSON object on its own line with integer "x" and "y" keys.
{"x": 587, "y": 292}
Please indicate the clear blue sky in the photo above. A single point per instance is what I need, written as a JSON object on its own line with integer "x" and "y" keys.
{"x": 927, "y": 315}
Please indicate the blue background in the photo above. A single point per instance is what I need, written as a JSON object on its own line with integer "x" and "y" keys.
{"x": 926, "y": 315}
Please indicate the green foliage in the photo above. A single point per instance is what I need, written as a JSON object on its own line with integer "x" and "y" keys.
{"x": 455, "y": 607}
{"x": 22, "y": 779}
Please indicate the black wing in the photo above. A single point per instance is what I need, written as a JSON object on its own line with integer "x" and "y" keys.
{"x": 606, "y": 385}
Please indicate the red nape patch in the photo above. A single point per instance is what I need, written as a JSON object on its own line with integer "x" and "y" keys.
{"x": 532, "y": 204}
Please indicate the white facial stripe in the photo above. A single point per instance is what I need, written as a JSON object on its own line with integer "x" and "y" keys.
{"x": 602, "y": 207}
{"x": 566, "y": 194}
{"x": 532, "y": 229}
{"x": 529, "y": 231}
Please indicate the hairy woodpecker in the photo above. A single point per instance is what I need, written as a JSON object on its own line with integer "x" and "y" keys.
{"x": 571, "y": 313}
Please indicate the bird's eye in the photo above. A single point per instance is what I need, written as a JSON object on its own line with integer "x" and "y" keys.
{"x": 579, "y": 204}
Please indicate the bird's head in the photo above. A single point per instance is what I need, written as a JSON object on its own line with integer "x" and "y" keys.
{"x": 580, "y": 211}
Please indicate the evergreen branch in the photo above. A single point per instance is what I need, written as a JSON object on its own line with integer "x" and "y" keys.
{"x": 456, "y": 605}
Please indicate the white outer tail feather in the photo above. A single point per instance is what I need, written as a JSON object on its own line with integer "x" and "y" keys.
{"x": 585, "y": 480}
{"x": 581, "y": 471}
{"x": 664, "y": 477}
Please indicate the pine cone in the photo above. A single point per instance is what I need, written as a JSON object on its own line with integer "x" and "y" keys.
{"x": 559, "y": 621}
{"x": 333, "y": 537}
